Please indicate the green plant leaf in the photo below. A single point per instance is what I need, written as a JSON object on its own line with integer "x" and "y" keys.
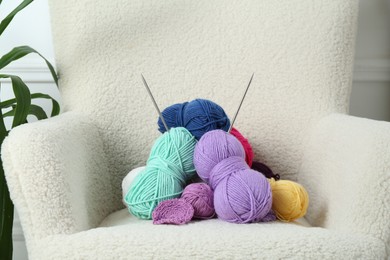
{"x": 6, "y": 218}
{"x": 55, "y": 106}
{"x": 3, "y": 130}
{"x": 11, "y": 15}
{"x": 34, "y": 110}
{"x": 5, "y": 235}
{"x": 23, "y": 99}
{"x": 10, "y": 113}
{"x": 7, "y": 103}
{"x": 6, "y": 205}
{"x": 21, "y": 51}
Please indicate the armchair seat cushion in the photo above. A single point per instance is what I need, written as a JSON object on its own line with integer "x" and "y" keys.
{"x": 122, "y": 236}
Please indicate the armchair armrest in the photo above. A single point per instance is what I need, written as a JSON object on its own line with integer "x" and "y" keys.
{"x": 57, "y": 174}
{"x": 346, "y": 169}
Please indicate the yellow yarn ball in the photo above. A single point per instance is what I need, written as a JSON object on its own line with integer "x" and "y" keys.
{"x": 289, "y": 199}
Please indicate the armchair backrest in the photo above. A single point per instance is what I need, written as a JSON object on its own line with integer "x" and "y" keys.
{"x": 300, "y": 50}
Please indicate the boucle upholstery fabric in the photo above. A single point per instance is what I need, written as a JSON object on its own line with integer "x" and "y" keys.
{"x": 65, "y": 173}
{"x": 346, "y": 169}
{"x": 301, "y": 52}
{"x": 207, "y": 239}
{"x": 58, "y": 176}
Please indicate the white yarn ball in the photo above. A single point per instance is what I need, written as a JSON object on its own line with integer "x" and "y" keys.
{"x": 129, "y": 179}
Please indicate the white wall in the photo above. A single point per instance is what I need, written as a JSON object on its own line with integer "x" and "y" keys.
{"x": 371, "y": 88}
{"x": 30, "y": 27}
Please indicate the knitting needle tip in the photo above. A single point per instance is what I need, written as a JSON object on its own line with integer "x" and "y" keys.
{"x": 239, "y": 107}
{"x": 154, "y": 102}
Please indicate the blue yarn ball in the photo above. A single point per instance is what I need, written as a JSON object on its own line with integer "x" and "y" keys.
{"x": 198, "y": 117}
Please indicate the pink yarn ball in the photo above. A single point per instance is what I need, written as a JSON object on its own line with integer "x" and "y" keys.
{"x": 201, "y": 197}
{"x": 245, "y": 143}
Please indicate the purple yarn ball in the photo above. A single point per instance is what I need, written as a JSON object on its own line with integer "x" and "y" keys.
{"x": 244, "y": 195}
{"x": 201, "y": 197}
{"x": 241, "y": 195}
{"x": 226, "y": 168}
{"x": 212, "y": 148}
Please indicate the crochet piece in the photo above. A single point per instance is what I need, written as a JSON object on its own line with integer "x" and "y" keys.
{"x": 174, "y": 211}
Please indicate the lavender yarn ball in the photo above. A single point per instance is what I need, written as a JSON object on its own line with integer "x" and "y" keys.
{"x": 201, "y": 197}
{"x": 212, "y": 148}
{"x": 241, "y": 195}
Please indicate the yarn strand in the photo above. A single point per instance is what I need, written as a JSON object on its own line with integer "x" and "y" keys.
{"x": 169, "y": 167}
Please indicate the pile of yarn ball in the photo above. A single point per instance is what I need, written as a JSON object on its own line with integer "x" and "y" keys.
{"x": 232, "y": 191}
{"x": 198, "y": 116}
{"x": 169, "y": 167}
{"x": 241, "y": 195}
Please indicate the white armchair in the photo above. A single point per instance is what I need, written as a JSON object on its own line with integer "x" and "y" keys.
{"x": 65, "y": 173}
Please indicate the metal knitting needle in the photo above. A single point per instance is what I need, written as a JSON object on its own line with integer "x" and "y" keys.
{"x": 242, "y": 100}
{"x": 154, "y": 102}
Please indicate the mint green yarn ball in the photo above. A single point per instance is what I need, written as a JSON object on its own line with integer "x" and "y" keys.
{"x": 169, "y": 167}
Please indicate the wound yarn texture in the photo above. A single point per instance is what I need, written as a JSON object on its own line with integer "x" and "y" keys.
{"x": 201, "y": 197}
{"x": 198, "y": 116}
{"x": 241, "y": 195}
{"x": 214, "y": 147}
{"x": 290, "y": 199}
{"x": 169, "y": 167}
{"x": 128, "y": 180}
{"x": 245, "y": 143}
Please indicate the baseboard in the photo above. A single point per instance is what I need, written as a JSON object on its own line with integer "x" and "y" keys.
{"x": 17, "y": 232}
{"x": 377, "y": 70}
{"x": 33, "y": 71}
